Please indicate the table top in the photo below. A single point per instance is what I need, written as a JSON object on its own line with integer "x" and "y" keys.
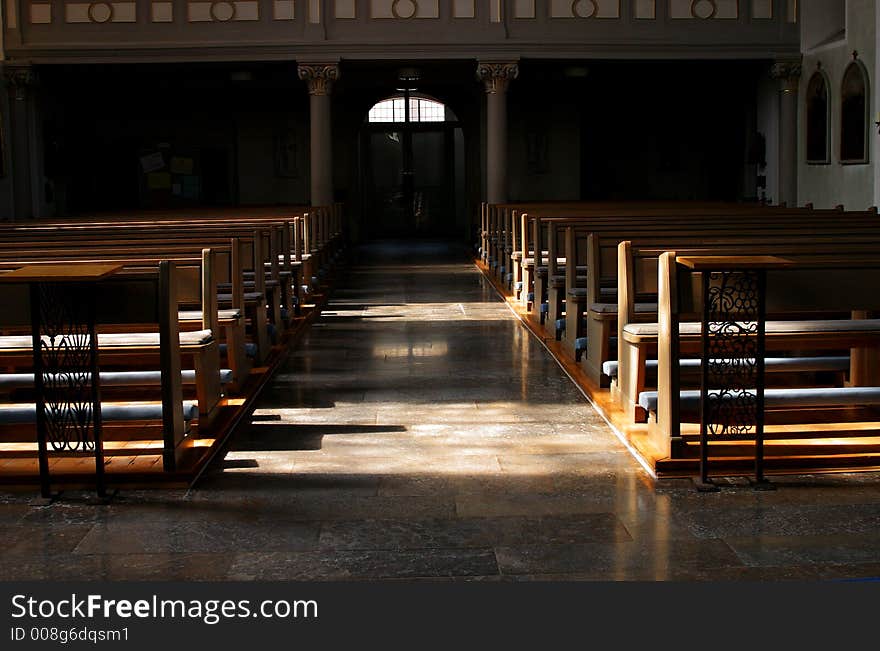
{"x": 733, "y": 262}
{"x": 60, "y": 273}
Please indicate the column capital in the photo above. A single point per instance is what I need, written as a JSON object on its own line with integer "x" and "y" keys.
{"x": 319, "y": 76}
{"x": 20, "y": 80}
{"x": 788, "y": 73}
{"x": 497, "y": 75}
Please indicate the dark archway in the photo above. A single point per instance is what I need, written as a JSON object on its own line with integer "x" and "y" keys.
{"x": 412, "y": 167}
{"x": 817, "y": 107}
{"x": 854, "y": 115}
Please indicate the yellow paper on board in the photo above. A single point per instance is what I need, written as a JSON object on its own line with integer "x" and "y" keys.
{"x": 181, "y": 165}
{"x": 159, "y": 181}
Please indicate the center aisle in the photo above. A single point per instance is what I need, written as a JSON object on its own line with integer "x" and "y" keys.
{"x": 430, "y": 435}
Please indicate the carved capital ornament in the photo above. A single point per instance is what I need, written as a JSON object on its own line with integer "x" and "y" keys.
{"x": 497, "y": 76}
{"x": 19, "y": 80}
{"x": 787, "y": 73}
{"x": 319, "y": 77}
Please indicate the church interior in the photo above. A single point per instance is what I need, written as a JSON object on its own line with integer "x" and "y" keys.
{"x": 497, "y": 290}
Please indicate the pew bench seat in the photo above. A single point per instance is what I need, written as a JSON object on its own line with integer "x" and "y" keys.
{"x": 837, "y": 363}
{"x": 26, "y": 413}
{"x": 825, "y": 334}
{"x": 558, "y": 281}
{"x": 115, "y": 340}
{"x": 609, "y": 310}
{"x": 225, "y": 317}
{"x": 579, "y": 295}
{"x": 200, "y": 344}
{"x": 529, "y": 261}
{"x": 249, "y": 297}
{"x": 807, "y": 397}
{"x": 842, "y": 333}
{"x": 10, "y": 381}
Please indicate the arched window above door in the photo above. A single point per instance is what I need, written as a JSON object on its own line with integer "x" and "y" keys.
{"x": 854, "y": 115}
{"x": 818, "y": 133}
{"x": 421, "y": 109}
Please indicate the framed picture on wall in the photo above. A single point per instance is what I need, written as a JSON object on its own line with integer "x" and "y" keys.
{"x": 286, "y": 154}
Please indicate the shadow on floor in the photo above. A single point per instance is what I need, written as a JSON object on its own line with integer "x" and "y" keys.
{"x": 276, "y": 438}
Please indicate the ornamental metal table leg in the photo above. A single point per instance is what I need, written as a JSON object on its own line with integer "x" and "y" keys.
{"x": 97, "y": 420}
{"x": 66, "y": 375}
{"x": 760, "y": 482}
{"x": 704, "y": 484}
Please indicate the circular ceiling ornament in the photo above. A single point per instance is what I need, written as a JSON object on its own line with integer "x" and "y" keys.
{"x": 222, "y": 11}
{"x": 404, "y": 8}
{"x": 100, "y": 12}
{"x": 584, "y": 8}
{"x": 704, "y": 9}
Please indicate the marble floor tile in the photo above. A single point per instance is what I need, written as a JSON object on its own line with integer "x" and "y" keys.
{"x": 783, "y": 520}
{"x": 364, "y": 565}
{"x": 793, "y": 550}
{"x": 471, "y": 532}
{"x": 22, "y": 540}
{"x": 181, "y": 535}
{"x": 654, "y": 560}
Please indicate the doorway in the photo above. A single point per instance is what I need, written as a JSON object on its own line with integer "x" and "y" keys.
{"x": 412, "y": 168}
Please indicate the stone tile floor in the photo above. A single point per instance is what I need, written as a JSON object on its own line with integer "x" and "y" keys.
{"x": 420, "y": 432}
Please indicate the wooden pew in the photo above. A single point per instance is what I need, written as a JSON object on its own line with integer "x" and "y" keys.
{"x": 592, "y": 323}
{"x": 226, "y": 265}
{"x": 156, "y": 305}
{"x": 309, "y": 243}
{"x": 502, "y": 231}
{"x": 638, "y": 276}
{"x": 828, "y": 285}
{"x": 235, "y": 292}
{"x": 127, "y": 347}
{"x": 654, "y": 219}
{"x": 637, "y": 339}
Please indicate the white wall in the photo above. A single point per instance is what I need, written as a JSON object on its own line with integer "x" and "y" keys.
{"x": 829, "y": 185}
{"x": 821, "y": 20}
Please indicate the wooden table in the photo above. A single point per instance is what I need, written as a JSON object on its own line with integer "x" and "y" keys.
{"x": 65, "y": 352}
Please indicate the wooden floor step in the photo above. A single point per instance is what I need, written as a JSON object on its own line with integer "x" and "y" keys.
{"x": 773, "y": 465}
{"x": 691, "y": 432}
{"x": 121, "y": 468}
{"x": 794, "y": 447}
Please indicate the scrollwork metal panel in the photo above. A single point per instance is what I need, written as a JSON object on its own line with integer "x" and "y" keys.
{"x": 66, "y": 378}
{"x": 66, "y": 370}
{"x": 732, "y": 371}
{"x": 732, "y": 353}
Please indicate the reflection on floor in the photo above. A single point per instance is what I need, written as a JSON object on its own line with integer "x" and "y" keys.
{"x": 420, "y": 432}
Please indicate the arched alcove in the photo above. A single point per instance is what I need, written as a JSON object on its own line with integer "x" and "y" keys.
{"x": 854, "y": 114}
{"x": 817, "y": 112}
{"x": 412, "y": 167}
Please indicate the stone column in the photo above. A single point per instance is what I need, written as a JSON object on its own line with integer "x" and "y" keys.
{"x": 496, "y": 77}
{"x": 788, "y": 74}
{"x": 21, "y": 131}
{"x": 320, "y": 78}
